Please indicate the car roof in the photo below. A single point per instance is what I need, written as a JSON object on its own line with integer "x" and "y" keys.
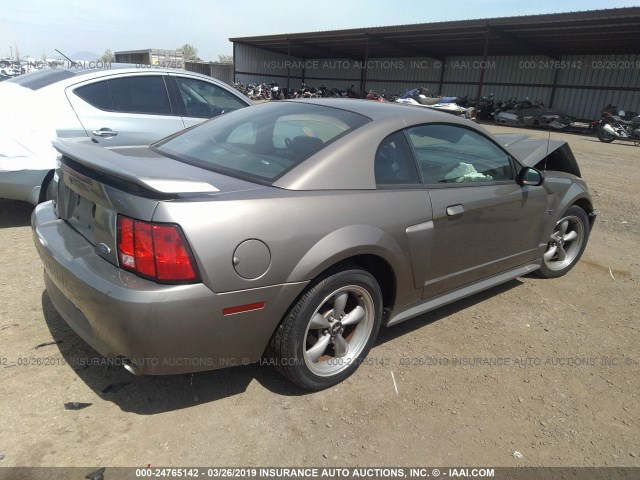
{"x": 74, "y": 74}
{"x": 128, "y": 67}
{"x": 353, "y": 154}
{"x": 411, "y": 114}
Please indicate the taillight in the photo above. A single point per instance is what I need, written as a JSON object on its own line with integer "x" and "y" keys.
{"x": 157, "y": 251}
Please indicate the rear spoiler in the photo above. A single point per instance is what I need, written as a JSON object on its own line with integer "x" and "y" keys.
{"x": 132, "y": 170}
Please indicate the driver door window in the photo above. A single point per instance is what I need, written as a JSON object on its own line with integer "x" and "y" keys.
{"x": 205, "y": 100}
{"x": 484, "y": 223}
{"x": 456, "y": 155}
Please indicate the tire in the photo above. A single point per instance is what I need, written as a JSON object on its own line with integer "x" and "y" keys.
{"x": 566, "y": 244}
{"x": 605, "y": 137}
{"x": 318, "y": 358}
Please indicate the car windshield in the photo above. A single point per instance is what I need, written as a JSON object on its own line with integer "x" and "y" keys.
{"x": 262, "y": 142}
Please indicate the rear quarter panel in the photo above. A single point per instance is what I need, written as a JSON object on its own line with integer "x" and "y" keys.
{"x": 306, "y": 233}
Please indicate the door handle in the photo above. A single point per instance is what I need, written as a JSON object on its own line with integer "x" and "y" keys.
{"x": 454, "y": 210}
{"x": 105, "y": 133}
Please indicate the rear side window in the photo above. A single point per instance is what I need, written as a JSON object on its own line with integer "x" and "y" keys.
{"x": 140, "y": 95}
{"x": 136, "y": 94}
{"x": 453, "y": 154}
{"x": 96, "y": 94}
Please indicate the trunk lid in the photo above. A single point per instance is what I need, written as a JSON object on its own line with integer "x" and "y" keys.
{"x": 96, "y": 184}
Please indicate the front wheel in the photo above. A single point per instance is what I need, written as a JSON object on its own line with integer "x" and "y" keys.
{"x": 604, "y": 136}
{"x": 329, "y": 331}
{"x": 566, "y": 244}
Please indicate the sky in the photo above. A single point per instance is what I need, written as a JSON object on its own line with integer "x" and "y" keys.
{"x": 40, "y": 26}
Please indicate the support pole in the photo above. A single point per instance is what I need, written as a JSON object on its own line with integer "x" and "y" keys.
{"x": 441, "y": 83}
{"x": 363, "y": 73}
{"x": 553, "y": 88}
{"x": 234, "y": 63}
{"x": 288, "y": 63}
{"x": 482, "y": 69}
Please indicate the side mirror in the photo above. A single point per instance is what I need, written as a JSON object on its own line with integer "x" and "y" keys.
{"x": 530, "y": 176}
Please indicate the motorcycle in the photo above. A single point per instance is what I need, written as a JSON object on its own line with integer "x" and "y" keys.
{"x": 241, "y": 87}
{"x": 277, "y": 93}
{"x": 486, "y": 108}
{"x": 351, "y": 93}
{"x": 613, "y": 127}
{"x": 308, "y": 92}
{"x": 372, "y": 95}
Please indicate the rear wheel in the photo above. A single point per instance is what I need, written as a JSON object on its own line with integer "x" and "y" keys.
{"x": 604, "y": 136}
{"x": 566, "y": 244}
{"x": 329, "y": 331}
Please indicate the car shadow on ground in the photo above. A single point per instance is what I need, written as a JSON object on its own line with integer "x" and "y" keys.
{"x": 15, "y": 214}
{"x": 395, "y": 331}
{"x": 148, "y": 395}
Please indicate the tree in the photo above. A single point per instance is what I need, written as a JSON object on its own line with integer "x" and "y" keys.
{"x": 108, "y": 57}
{"x": 190, "y": 53}
{"x": 225, "y": 58}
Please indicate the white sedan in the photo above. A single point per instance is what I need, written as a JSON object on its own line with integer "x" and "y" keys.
{"x": 117, "y": 106}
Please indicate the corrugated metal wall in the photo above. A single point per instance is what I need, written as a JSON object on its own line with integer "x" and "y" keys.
{"x": 167, "y": 58}
{"x": 620, "y": 73}
{"x": 219, "y": 71}
{"x": 198, "y": 67}
{"x": 505, "y": 77}
{"x": 140, "y": 58}
{"x": 584, "y": 84}
{"x": 152, "y": 56}
{"x": 223, "y": 72}
{"x": 254, "y": 65}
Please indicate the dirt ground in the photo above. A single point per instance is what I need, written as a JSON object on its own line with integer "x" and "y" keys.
{"x": 547, "y": 368}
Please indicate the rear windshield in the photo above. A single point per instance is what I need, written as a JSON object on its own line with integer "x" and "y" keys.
{"x": 262, "y": 142}
{"x": 41, "y": 78}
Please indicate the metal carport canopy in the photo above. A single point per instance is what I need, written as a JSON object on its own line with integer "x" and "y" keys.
{"x": 610, "y": 31}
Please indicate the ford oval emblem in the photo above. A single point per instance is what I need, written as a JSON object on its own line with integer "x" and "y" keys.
{"x": 104, "y": 248}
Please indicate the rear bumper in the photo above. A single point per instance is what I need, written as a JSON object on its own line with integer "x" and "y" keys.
{"x": 162, "y": 329}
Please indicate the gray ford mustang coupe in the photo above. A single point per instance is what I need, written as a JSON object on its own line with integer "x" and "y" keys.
{"x": 292, "y": 231}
